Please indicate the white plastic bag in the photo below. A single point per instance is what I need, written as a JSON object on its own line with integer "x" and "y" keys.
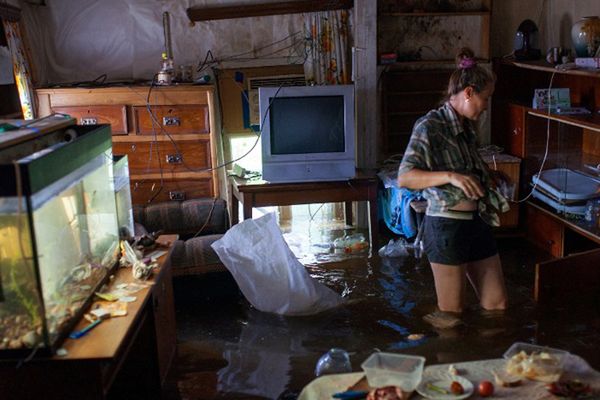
{"x": 268, "y": 273}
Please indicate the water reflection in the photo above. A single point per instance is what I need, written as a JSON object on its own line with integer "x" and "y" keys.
{"x": 250, "y": 354}
{"x": 260, "y": 362}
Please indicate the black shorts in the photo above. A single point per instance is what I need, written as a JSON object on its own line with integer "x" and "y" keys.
{"x": 456, "y": 241}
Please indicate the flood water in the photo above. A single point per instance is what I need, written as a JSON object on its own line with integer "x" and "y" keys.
{"x": 229, "y": 350}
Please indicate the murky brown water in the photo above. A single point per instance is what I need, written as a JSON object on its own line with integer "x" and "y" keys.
{"x": 229, "y": 350}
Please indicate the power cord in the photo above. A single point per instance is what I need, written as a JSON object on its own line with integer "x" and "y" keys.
{"x": 539, "y": 174}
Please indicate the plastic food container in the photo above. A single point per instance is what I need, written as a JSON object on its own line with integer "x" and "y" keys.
{"x": 534, "y": 362}
{"x": 392, "y": 369}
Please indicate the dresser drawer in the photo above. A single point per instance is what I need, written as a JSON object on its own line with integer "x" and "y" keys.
{"x": 181, "y": 156}
{"x": 116, "y": 116}
{"x": 176, "y": 119}
{"x": 146, "y": 190}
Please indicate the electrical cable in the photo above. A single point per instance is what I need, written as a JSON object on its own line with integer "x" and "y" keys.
{"x": 539, "y": 174}
{"x": 154, "y": 143}
{"x": 178, "y": 151}
{"x": 239, "y": 57}
{"x": 210, "y": 212}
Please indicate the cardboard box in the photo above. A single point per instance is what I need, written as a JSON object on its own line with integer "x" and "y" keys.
{"x": 588, "y": 62}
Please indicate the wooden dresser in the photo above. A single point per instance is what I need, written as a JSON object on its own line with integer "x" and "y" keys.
{"x": 168, "y": 134}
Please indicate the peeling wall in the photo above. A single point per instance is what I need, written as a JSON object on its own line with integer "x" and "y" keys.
{"x": 79, "y": 40}
{"x": 554, "y": 19}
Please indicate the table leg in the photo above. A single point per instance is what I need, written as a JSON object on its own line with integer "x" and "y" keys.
{"x": 235, "y": 207}
{"x": 247, "y": 203}
{"x": 373, "y": 222}
{"x": 348, "y": 212}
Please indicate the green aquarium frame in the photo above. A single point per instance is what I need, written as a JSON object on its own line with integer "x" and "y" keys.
{"x": 70, "y": 169}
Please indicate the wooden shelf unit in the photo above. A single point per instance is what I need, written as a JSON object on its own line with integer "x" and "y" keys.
{"x": 572, "y": 142}
{"x": 422, "y": 27}
{"x": 436, "y": 14}
{"x": 406, "y": 96}
{"x": 411, "y": 88}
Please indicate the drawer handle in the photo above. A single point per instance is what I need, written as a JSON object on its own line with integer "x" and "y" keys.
{"x": 175, "y": 195}
{"x": 133, "y": 147}
{"x": 174, "y": 158}
{"x": 89, "y": 121}
{"x": 171, "y": 121}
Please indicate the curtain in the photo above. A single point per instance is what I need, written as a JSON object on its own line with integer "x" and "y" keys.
{"x": 21, "y": 68}
{"x": 327, "y": 47}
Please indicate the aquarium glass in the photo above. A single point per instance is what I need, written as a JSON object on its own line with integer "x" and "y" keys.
{"x": 123, "y": 197}
{"x": 20, "y": 303}
{"x": 74, "y": 230}
{"x": 59, "y": 237}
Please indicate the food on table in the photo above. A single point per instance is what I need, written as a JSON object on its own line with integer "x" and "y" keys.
{"x": 539, "y": 366}
{"x": 437, "y": 389}
{"x": 387, "y": 393}
{"x": 452, "y": 370}
{"x": 506, "y": 380}
{"x": 456, "y": 388}
{"x": 485, "y": 388}
{"x": 574, "y": 389}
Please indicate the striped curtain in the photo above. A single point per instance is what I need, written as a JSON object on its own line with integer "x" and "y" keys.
{"x": 21, "y": 68}
{"x": 327, "y": 47}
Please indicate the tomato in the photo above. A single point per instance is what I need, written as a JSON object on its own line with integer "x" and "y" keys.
{"x": 486, "y": 388}
{"x": 456, "y": 388}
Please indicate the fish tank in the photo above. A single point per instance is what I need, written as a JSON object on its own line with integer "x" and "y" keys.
{"x": 123, "y": 196}
{"x": 59, "y": 235}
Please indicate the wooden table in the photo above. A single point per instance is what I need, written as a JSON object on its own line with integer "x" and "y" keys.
{"x": 261, "y": 194}
{"x": 474, "y": 371}
{"x": 122, "y": 357}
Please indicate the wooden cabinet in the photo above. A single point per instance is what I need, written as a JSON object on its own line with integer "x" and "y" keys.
{"x": 509, "y": 127}
{"x": 125, "y": 357}
{"x": 164, "y": 321}
{"x": 168, "y": 133}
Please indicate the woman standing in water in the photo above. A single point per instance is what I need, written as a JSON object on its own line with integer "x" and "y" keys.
{"x": 442, "y": 160}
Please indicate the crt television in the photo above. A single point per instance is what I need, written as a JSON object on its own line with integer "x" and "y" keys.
{"x": 307, "y": 133}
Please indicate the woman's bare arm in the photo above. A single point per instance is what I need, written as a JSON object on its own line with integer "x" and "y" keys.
{"x": 418, "y": 179}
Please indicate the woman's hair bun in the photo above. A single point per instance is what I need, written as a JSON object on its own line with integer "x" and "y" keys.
{"x": 465, "y": 58}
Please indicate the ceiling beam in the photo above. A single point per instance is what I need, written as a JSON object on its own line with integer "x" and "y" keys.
{"x": 259, "y": 10}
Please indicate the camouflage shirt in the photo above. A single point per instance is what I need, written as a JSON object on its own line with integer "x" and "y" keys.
{"x": 439, "y": 142}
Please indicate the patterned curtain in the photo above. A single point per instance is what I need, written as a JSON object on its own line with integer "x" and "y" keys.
{"x": 21, "y": 68}
{"x": 328, "y": 47}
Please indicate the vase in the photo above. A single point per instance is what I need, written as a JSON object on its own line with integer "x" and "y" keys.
{"x": 585, "y": 34}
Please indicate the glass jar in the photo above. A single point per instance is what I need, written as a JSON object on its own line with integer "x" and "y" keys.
{"x": 585, "y": 34}
{"x": 335, "y": 361}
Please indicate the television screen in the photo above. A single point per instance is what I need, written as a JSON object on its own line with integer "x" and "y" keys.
{"x": 307, "y": 133}
{"x": 313, "y": 124}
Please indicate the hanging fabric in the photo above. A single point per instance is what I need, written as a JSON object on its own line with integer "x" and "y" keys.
{"x": 21, "y": 68}
{"x": 328, "y": 47}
